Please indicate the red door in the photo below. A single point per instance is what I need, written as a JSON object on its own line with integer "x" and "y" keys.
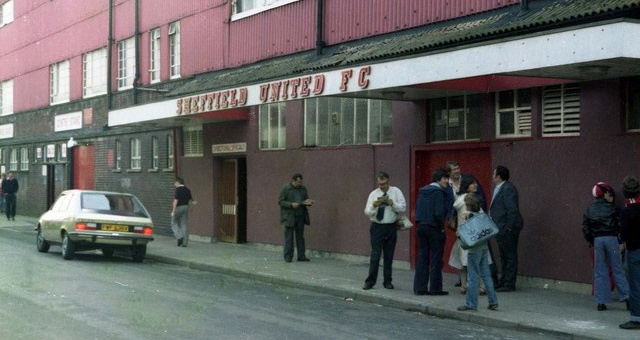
{"x": 474, "y": 158}
{"x": 83, "y": 167}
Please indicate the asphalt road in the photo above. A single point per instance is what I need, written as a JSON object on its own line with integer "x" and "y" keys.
{"x": 46, "y": 297}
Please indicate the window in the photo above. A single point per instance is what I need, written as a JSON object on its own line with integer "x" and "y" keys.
{"x": 118, "y": 155}
{"x": 332, "y": 121}
{"x": 513, "y": 113}
{"x": 24, "y": 158}
{"x": 250, "y": 7}
{"x": 154, "y": 55}
{"x": 13, "y": 160}
{"x": 170, "y": 153}
{"x": 633, "y": 104}
{"x": 59, "y": 82}
{"x": 126, "y": 63}
{"x": 174, "y": 49}
{"x": 561, "y": 110}
{"x": 272, "y": 126}
{"x": 455, "y": 118}
{"x": 154, "y": 153}
{"x": 6, "y": 98}
{"x": 94, "y": 73}
{"x": 135, "y": 154}
{"x": 6, "y": 13}
{"x": 192, "y": 141}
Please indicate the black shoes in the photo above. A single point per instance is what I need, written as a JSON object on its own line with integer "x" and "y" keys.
{"x": 505, "y": 289}
{"x": 388, "y": 285}
{"x": 630, "y": 325}
{"x": 466, "y": 308}
{"x": 440, "y": 293}
{"x": 368, "y": 285}
{"x": 492, "y": 306}
{"x": 180, "y": 242}
{"x": 287, "y": 260}
{"x": 303, "y": 259}
{"x": 602, "y": 307}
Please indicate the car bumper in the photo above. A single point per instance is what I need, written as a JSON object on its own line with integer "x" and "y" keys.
{"x": 111, "y": 239}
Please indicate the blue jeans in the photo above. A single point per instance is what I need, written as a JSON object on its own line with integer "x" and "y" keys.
{"x": 607, "y": 254}
{"x": 428, "y": 277}
{"x": 633, "y": 263}
{"x": 478, "y": 267}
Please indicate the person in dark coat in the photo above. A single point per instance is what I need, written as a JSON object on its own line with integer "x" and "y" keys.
{"x": 630, "y": 233}
{"x": 294, "y": 215}
{"x": 10, "y": 189}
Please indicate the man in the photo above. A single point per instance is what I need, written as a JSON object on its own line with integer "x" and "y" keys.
{"x": 431, "y": 212}
{"x": 180, "y": 213}
{"x": 505, "y": 212}
{"x": 382, "y": 208}
{"x": 294, "y": 201}
{"x": 9, "y": 189}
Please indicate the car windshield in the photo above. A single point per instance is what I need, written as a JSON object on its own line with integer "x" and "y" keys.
{"x": 113, "y": 204}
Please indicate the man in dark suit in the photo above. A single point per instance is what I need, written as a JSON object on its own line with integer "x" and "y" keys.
{"x": 505, "y": 212}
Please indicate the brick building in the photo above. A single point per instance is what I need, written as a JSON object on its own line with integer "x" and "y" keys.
{"x": 235, "y": 96}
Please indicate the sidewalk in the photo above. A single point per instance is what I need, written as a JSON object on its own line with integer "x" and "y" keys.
{"x": 561, "y": 314}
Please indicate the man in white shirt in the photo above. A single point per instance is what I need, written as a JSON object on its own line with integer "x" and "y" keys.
{"x": 383, "y": 206}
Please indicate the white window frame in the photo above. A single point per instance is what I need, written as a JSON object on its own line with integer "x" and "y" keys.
{"x": 6, "y": 97}
{"x": 450, "y": 118}
{"x": 174, "y": 50}
{"x": 24, "y": 159}
{"x": 245, "y": 8}
{"x": 170, "y": 152}
{"x": 13, "y": 160}
{"x": 155, "y": 154}
{"x": 273, "y": 126}
{"x": 59, "y": 82}
{"x": 135, "y": 154}
{"x": 94, "y": 73}
{"x": 154, "y": 55}
{"x": 521, "y": 114}
{"x": 6, "y": 13}
{"x": 561, "y": 110}
{"x": 192, "y": 141}
{"x": 118, "y": 155}
{"x": 126, "y": 63}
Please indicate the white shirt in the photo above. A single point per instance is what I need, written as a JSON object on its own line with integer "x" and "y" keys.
{"x": 390, "y": 212}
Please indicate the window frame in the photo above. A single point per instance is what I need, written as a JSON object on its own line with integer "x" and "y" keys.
{"x": 170, "y": 152}
{"x": 126, "y": 63}
{"x": 154, "y": 55}
{"x": 117, "y": 155}
{"x": 155, "y": 154}
{"x": 6, "y": 95}
{"x": 135, "y": 154}
{"x": 192, "y": 141}
{"x": 467, "y": 115}
{"x": 281, "y": 127}
{"x": 566, "y": 109}
{"x": 94, "y": 73}
{"x": 24, "y": 159}
{"x": 519, "y": 111}
{"x": 13, "y": 159}
{"x": 6, "y": 13}
{"x": 262, "y": 6}
{"x": 174, "y": 50}
{"x": 59, "y": 82}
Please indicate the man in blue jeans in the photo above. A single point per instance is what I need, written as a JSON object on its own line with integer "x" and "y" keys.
{"x": 431, "y": 212}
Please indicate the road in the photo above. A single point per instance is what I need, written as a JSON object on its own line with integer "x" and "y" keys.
{"x": 46, "y": 297}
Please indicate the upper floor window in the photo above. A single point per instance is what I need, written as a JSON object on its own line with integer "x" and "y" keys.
{"x": 135, "y": 154}
{"x": 6, "y": 13}
{"x": 192, "y": 141}
{"x": 561, "y": 110}
{"x": 13, "y": 160}
{"x": 24, "y": 158}
{"x": 245, "y": 8}
{"x": 632, "y": 107}
{"x": 455, "y": 118}
{"x": 170, "y": 153}
{"x": 59, "y": 82}
{"x": 118, "y": 155}
{"x": 6, "y": 97}
{"x": 155, "y": 156}
{"x": 333, "y": 121}
{"x": 126, "y": 63}
{"x": 174, "y": 49}
{"x": 154, "y": 55}
{"x": 272, "y": 126}
{"x": 513, "y": 113}
{"x": 94, "y": 73}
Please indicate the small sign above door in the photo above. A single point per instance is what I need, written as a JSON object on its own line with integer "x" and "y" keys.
{"x": 228, "y": 148}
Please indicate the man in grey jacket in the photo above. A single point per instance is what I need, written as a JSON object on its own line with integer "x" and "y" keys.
{"x": 293, "y": 201}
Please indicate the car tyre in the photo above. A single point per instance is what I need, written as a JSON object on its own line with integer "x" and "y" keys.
{"x": 68, "y": 247}
{"x": 138, "y": 253}
{"x": 108, "y": 252}
{"x": 41, "y": 243}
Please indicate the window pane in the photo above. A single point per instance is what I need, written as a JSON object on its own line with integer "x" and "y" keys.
{"x": 310, "y": 122}
{"x": 374, "y": 123}
{"x": 323, "y": 120}
{"x": 346, "y": 122}
{"x": 472, "y": 121}
{"x": 439, "y": 119}
{"x": 387, "y": 122}
{"x": 506, "y": 123}
{"x": 633, "y": 104}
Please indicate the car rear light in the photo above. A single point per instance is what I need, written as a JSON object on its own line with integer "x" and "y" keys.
{"x": 86, "y": 226}
{"x": 146, "y": 230}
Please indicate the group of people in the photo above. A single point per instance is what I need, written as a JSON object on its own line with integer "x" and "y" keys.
{"x": 612, "y": 233}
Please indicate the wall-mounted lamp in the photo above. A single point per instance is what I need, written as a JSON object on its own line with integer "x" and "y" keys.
{"x": 71, "y": 143}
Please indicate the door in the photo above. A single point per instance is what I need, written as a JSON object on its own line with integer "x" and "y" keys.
{"x": 83, "y": 167}
{"x": 232, "y": 201}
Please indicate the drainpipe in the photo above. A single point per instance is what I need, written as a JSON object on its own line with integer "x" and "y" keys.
{"x": 320, "y": 27}
{"x": 524, "y": 5}
{"x": 109, "y": 55}
{"x": 136, "y": 78}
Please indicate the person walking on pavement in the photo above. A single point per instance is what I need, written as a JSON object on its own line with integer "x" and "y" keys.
{"x": 431, "y": 213}
{"x": 294, "y": 215}
{"x": 601, "y": 222}
{"x": 505, "y": 212}
{"x": 630, "y": 233}
{"x": 382, "y": 208}
{"x": 180, "y": 213}
{"x": 2, "y": 203}
{"x": 10, "y": 188}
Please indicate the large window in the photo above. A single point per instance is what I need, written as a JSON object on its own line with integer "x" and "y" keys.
{"x": 24, "y": 159}
{"x": 174, "y": 49}
{"x": 272, "y": 126}
{"x": 561, "y": 110}
{"x": 59, "y": 82}
{"x": 6, "y": 13}
{"x": 13, "y": 160}
{"x": 243, "y": 8}
{"x": 170, "y": 153}
{"x": 94, "y": 73}
{"x": 154, "y": 55}
{"x": 455, "y": 118}
{"x": 126, "y": 63}
{"x": 192, "y": 141}
{"x": 155, "y": 156}
{"x": 118, "y": 156}
{"x": 633, "y": 104}
{"x": 6, "y": 97}
{"x": 135, "y": 154}
{"x": 513, "y": 113}
{"x": 333, "y": 121}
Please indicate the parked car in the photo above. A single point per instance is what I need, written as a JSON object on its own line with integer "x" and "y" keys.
{"x": 84, "y": 220}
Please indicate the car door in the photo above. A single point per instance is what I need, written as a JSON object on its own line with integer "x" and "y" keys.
{"x": 53, "y": 219}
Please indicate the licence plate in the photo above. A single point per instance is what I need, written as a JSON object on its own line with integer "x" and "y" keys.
{"x": 115, "y": 227}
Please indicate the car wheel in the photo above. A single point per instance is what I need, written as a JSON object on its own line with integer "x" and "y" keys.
{"x": 108, "y": 252}
{"x": 138, "y": 253}
{"x": 41, "y": 243}
{"x": 68, "y": 248}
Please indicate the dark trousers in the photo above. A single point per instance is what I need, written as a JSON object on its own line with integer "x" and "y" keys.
{"x": 10, "y": 201}
{"x": 383, "y": 242}
{"x": 508, "y": 245}
{"x": 428, "y": 277}
{"x": 297, "y": 231}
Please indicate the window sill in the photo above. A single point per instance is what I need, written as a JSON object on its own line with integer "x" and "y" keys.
{"x": 167, "y": 170}
{"x": 134, "y": 170}
{"x": 153, "y": 170}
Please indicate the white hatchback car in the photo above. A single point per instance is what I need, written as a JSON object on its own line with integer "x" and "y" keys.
{"x": 85, "y": 219}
